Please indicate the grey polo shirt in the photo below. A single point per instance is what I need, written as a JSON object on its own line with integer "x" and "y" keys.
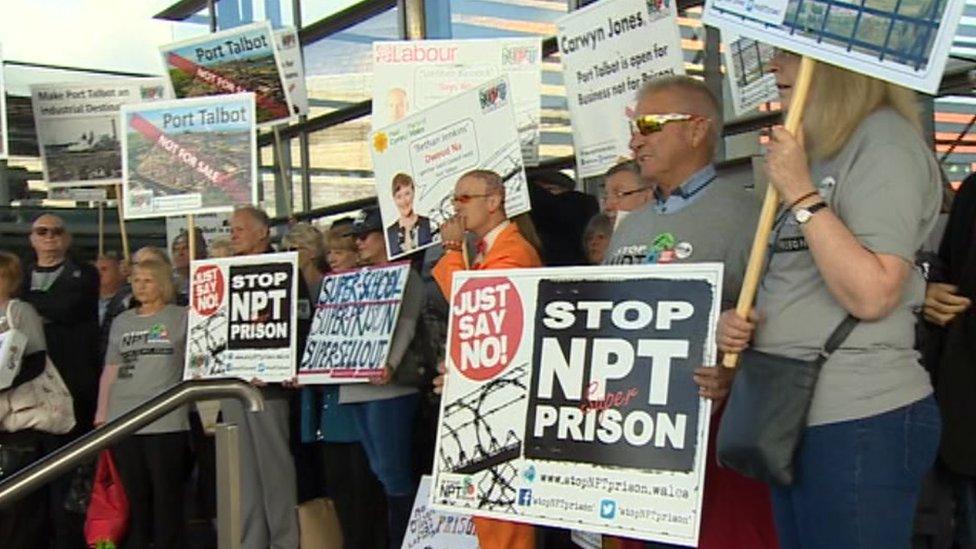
{"x": 884, "y": 184}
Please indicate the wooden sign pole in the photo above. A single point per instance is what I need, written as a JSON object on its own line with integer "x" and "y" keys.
{"x": 757, "y": 257}
{"x": 191, "y": 240}
{"x": 125, "y": 237}
{"x": 101, "y": 228}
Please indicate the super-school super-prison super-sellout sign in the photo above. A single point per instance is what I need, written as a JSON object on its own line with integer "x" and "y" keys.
{"x": 242, "y": 317}
{"x": 354, "y": 320}
{"x": 570, "y": 400}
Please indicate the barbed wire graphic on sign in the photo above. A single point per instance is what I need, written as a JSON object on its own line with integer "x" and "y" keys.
{"x": 506, "y": 162}
{"x": 207, "y": 342}
{"x": 469, "y": 443}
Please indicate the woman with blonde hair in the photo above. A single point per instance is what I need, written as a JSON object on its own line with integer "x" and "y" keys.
{"x": 862, "y": 192}
{"x": 340, "y": 245}
{"x": 144, "y": 358}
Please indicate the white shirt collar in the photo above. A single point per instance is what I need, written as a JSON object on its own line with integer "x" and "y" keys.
{"x": 493, "y": 234}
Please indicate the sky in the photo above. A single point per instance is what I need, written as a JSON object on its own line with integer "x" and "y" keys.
{"x": 116, "y": 35}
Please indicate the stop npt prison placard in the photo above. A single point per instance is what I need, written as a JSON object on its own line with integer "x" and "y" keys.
{"x": 570, "y": 401}
{"x": 242, "y": 315}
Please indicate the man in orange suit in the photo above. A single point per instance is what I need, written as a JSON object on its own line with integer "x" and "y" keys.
{"x": 479, "y": 205}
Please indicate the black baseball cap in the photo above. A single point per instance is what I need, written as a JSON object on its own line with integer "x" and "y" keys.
{"x": 368, "y": 222}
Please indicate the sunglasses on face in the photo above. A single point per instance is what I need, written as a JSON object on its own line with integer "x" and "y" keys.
{"x": 465, "y": 198}
{"x": 52, "y": 231}
{"x": 652, "y": 123}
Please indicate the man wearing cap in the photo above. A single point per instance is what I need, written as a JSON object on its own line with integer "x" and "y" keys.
{"x": 696, "y": 216}
{"x": 383, "y": 410}
{"x": 479, "y": 205}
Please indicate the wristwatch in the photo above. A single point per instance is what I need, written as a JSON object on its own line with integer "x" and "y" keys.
{"x": 802, "y": 215}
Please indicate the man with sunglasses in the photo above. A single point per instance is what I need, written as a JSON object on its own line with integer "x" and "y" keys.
{"x": 65, "y": 294}
{"x": 696, "y": 216}
{"x": 479, "y": 206}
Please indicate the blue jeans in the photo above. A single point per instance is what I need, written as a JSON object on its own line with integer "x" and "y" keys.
{"x": 386, "y": 433}
{"x": 857, "y": 482}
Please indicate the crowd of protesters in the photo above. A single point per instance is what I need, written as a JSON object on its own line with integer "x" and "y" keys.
{"x": 861, "y": 193}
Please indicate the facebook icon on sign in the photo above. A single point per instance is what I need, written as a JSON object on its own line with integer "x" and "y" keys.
{"x": 525, "y": 497}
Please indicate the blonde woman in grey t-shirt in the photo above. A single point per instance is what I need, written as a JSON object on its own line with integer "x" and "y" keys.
{"x": 863, "y": 191}
{"x": 144, "y": 358}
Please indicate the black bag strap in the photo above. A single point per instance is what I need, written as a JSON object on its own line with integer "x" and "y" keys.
{"x": 836, "y": 339}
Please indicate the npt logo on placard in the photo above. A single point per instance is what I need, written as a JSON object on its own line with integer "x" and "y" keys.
{"x": 458, "y": 488}
{"x": 493, "y": 97}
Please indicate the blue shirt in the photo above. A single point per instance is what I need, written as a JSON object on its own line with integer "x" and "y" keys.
{"x": 688, "y": 192}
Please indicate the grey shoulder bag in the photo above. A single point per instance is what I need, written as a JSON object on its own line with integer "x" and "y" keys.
{"x": 766, "y": 412}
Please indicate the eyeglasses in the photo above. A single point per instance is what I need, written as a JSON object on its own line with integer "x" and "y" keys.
{"x": 652, "y": 123}
{"x": 465, "y": 198}
{"x": 45, "y": 231}
{"x": 617, "y": 195}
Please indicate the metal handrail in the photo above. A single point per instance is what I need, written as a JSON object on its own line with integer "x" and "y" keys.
{"x": 68, "y": 457}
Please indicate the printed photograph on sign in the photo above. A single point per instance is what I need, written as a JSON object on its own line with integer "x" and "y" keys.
{"x": 902, "y": 42}
{"x": 354, "y": 320}
{"x": 290, "y": 54}
{"x": 242, "y": 317}
{"x": 609, "y": 49}
{"x": 78, "y": 130}
{"x": 238, "y": 60}
{"x": 418, "y": 160}
{"x": 747, "y": 66}
{"x": 432, "y": 529}
{"x": 189, "y": 156}
{"x": 414, "y": 75}
{"x": 211, "y": 226}
{"x": 570, "y": 400}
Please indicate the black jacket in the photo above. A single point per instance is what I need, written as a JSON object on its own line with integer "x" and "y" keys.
{"x": 952, "y": 350}
{"x": 69, "y": 308}
{"x": 560, "y": 220}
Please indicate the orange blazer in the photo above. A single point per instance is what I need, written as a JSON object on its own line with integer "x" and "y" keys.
{"x": 509, "y": 251}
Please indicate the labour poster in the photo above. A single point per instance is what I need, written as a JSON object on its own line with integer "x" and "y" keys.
{"x": 569, "y": 398}
{"x": 905, "y": 42}
{"x": 242, "y": 316}
{"x": 78, "y": 130}
{"x": 238, "y": 60}
{"x": 418, "y": 160}
{"x": 609, "y": 50}
{"x": 290, "y": 54}
{"x": 189, "y": 156}
{"x": 354, "y": 321}
{"x": 747, "y": 66}
{"x": 414, "y": 75}
{"x": 432, "y": 529}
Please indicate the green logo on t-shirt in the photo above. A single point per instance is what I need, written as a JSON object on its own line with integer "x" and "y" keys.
{"x": 663, "y": 241}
